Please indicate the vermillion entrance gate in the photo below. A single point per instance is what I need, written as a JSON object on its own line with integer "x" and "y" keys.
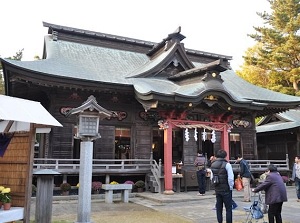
{"x": 168, "y": 124}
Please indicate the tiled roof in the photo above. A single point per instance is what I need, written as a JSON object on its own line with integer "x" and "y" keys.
{"x": 272, "y": 127}
{"x": 126, "y": 39}
{"x": 101, "y": 64}
{"x": 286, "y": 120}
{"x": 239, "y": 89}
{"x": 86, "y": 62}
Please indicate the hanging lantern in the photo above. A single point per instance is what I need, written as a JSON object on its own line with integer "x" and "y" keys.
{"x": 196, "y": 134}
{"x": 203, "y": 135}
{"x": 213, "y": 136}
{"x": 186, "y": 134}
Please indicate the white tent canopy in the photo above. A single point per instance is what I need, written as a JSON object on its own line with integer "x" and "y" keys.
{"x": 16, "y": 114}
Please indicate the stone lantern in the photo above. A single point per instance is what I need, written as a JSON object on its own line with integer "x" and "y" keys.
{"x": 88, "y": 116}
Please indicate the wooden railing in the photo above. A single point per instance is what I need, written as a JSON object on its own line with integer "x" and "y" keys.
{"x": 105, "y": 166}
{"x": 156, "y": 170}
{"x": 259, "y": 166}
{"x": 139, "y": 166}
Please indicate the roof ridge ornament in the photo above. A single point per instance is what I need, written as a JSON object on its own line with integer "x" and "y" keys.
{"x": 174, "y": 37}
{"x": 176, "y": 34}
{"x": 54, "y": 35}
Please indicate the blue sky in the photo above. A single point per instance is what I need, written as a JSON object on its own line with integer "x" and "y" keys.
{"x": 216, "y": 26}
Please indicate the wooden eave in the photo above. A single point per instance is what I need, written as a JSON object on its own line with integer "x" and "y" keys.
{"x": 215, "y": 66}
{"x": 178, "y": 52}
{"x": 236, "y": 107}
{"x": 212, "y": 56}
{"x": 17, "y": 74}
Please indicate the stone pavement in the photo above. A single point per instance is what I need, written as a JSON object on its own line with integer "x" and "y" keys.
{"x": 198, "y": 209}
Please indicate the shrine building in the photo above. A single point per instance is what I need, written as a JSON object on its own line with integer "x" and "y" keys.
{"x": 167, "y": 102}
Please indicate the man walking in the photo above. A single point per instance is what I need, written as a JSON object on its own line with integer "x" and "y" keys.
{"x": 223, "y": 189}
{"x": 201, "y": 173}
{"x": 245, "y": 174}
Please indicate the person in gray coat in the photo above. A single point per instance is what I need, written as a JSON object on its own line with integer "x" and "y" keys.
{"x": 296, "y": 176}
{"x": 275, "y": 193}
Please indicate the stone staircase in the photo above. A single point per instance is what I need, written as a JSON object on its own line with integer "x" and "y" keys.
{"x": 152, "y": 184}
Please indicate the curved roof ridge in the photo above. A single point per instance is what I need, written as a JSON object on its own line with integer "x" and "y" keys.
{"x": 97, "y": 34}
{"x": 126, "y": 39}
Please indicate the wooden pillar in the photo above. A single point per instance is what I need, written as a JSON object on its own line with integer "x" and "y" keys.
{"x": 44, "y": 195}
{"x": 168, "y": 160}
{"x": 225, "y": 141}
{"x": 297, "y": 143}
{"x": 107, "y": 178}
{"x": 65, "y": 178}
{"x": 28, "y": 188}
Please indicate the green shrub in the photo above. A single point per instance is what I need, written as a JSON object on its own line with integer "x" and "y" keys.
{"x": 65, "y": 187}
{"x": 139, "y": 184}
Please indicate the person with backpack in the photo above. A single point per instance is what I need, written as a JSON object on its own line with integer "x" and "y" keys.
{"x": 223, "y": 189}
{"x": 209, "y": 162}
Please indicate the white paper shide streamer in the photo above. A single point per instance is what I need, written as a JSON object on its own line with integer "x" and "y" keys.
{"x": 203, "y": 135}
{"x": 186, "y": 134}
{"x": 213, "y": 136}
{"x": 196, "y": 134}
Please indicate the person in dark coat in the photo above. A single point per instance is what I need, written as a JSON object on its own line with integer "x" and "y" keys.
{"x": 275, "y": 193}
{"x": 223, "y": 169}
{"x": 209, "y": 162}
{"x": 201, "y": 173}
{"x": 245, "y": 174}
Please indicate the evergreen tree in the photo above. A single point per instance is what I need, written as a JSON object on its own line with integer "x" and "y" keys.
{"x": 1, "y": 80}
{"x": 274, "y": 61}
{"x": 18, "y": 56}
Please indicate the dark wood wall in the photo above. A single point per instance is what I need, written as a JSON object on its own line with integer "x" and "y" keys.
{"x": 61, "y": 144}
{"x": 275, "y": 145}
